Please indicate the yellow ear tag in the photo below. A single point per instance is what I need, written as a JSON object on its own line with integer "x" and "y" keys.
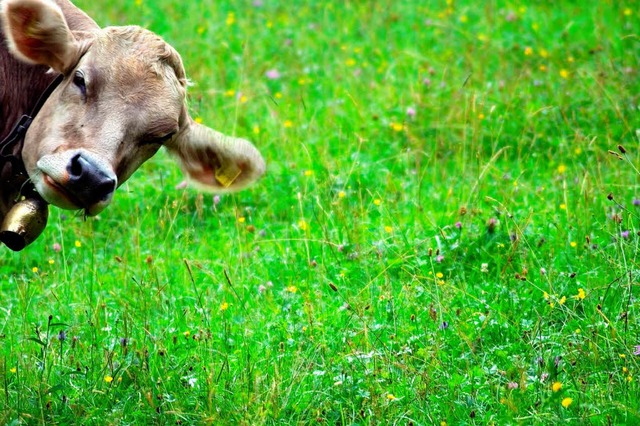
{"x": 227, "y": 174}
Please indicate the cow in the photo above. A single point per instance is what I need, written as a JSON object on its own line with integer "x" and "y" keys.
{"x": 82, "y": 107}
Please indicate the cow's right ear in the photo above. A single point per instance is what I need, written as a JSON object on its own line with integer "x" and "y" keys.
{"x": 37, "y": 32}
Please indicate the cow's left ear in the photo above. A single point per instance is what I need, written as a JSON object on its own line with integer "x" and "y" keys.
{"x": 37, "y": 32}
{"x": 214, "y": 161}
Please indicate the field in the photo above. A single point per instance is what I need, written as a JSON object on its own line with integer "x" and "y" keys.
{"x": 448, "y": 232}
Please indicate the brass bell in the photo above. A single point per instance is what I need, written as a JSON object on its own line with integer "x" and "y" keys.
{"x": 24, "y": 223}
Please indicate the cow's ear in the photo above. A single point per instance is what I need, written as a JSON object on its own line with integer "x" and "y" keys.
{"x": 37, "y": 32}
{"x": 214, "y": 161}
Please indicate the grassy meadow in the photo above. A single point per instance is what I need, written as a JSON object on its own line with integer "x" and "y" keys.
{"x": 447, "y": 233}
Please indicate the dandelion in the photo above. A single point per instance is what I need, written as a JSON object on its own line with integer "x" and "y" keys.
{"x": 241, "y": 219}
{"x": 288, "y": 124}
{"x": 230, "y": 93}
{"x": 463, "y": 19}
{"x": 342, "y": 194}
{"x": 397, "y": 127}
{"x": 35, "y": 269}
{"x": 528, "y": 51}
{"x": 627, "y": 11}
{"x": 13, "y": 370}
{"x": 573, "y": 244}
{"x": 556, "y": 386}
{"x": 564, "y": 73}
{"x": 562, "y": 168}
{"x": 303, "y": 225}
{"x": 391, "y": 397}
{"x": 78, "y": 244}
{"x": 231, "y": 18}
{"x": 350, "y": 62}
{"x": 308, "y": 173}
{"x": 377, "y": 201}
{"x": 567, "y": 402}
{"x": 388, "y": 229}
{"x": 51, "y": 261}
{"x": 544, "y": 53}
{"x": 292, "y": 289}
{"x": 439, "y": 275}
{"x": 272, "y": 74}
{"x": 108, "y": 379}
{"x": 198, "y": 120}
{"x": 563, "y": 206}
{"x": 224, "y": 306}
{"x": 278, "y": 95}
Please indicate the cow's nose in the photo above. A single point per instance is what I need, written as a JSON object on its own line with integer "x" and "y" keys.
{"x": 88, "y": 181}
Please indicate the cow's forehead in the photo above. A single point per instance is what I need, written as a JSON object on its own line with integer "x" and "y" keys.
{"x": 132, "y": 56}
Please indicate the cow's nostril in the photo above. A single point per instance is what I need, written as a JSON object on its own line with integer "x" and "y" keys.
{"x": 75, "y": 168}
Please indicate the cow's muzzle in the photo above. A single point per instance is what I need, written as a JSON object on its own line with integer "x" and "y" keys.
{"x": 77, "y": 180}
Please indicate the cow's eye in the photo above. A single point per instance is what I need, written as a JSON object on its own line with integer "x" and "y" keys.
{"x": 157, "y": 140}
{"x": 78, "y": 80}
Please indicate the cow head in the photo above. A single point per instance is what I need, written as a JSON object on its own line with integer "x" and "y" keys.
{"x": 122, "y": 98}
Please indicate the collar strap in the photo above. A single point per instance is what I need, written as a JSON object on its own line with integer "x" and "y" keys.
{"x": 21, "y": 127}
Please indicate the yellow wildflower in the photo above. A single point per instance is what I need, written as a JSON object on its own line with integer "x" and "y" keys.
{"x": 108, "y": 379}
{"x": 224, "y": 306}
{"x": 581, "y": 294}
{"x": 78, "y": 244}
{"x": 564, "y": 73}
{"x": 556, "y": 386}
{"x": 566, "y": 402}
{"x": 388, "y": 229}
{"x": 528, "y": 51}
{"x": 303, "y": 225}
{"x": 397, "y": 127}
{"x": 288, "y": 124}
{"x": 292, "y": 289}
{"x": 13, "y": 370}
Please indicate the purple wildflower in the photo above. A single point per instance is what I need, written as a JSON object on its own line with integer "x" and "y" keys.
{"x": 62, "y": 336}
{"x": 458, "y": 225}
{"x": 273, "y": 74}
{"x": 624, "y": 234}
{"x": 512, "y": 385}
{"x": 411, "y": 112}
{"x": 636, "y": 201}
{"x": 439, "y": 258}
{"x": 57, "y": 247}
{"x": 637, "y": 350}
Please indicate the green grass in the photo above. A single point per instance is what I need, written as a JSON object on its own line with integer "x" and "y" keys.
{"x": 389, "y": 268}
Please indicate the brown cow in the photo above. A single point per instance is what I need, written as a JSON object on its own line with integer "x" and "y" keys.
{"x": 121, "y": 97}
